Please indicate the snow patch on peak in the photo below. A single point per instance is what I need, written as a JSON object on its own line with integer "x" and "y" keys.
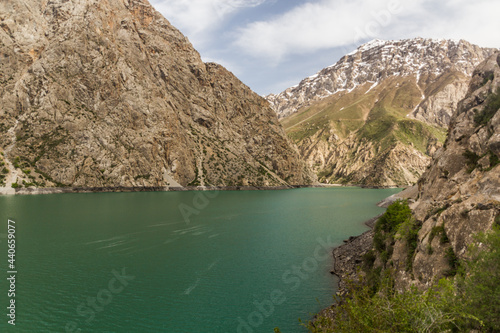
{"x": 377, "y": 60}
{"x": 372, "y": 44}
{"x": 367, "y": 46}
{"x": 373, "y": 86}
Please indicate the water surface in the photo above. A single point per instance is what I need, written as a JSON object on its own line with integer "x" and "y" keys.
{"x": 237, "y": 261}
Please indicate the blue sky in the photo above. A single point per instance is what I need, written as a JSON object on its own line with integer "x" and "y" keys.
{"x": 272, "y": 44}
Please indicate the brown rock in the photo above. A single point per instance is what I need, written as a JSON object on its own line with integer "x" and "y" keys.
{"x": 108, "y": 93}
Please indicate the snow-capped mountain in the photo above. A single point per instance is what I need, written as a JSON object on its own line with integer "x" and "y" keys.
{"x": 424, "y": 59}
{"x": 378, "y": 115}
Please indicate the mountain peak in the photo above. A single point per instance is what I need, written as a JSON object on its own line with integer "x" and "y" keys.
{"x": 378, "y": 60}
{"x": 378, "y": 115}
{"x": 110, "y": 94}
{"x": 369, "y": 45}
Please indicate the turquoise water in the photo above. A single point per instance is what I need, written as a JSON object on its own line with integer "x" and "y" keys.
{"x": 230, "y": 261}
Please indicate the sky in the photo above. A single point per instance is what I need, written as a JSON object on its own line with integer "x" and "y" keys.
{"x": 271, "y": 45}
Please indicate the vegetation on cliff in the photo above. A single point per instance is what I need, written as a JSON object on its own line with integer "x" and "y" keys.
{"x": 360, "y": 137}
{"x": 469, "y": 300}
{"x": 436, "y": 267}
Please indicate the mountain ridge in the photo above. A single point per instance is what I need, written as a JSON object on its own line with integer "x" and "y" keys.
{"x": 376, "y": 117}
{"x": 109, "y": 93}
{"x": 337, "y": 78}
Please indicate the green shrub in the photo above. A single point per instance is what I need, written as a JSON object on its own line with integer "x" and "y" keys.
{"x": 480, "y": 287}
{"x": 379, "y": 241}
{"x": 439, "y": 230}
{"x": 434, "y": 310}
{"x": 452, "y": 262}
{"x": 492, "y": 106}
{"x": 195, "y": 181}
{"x": 16, "y": 162}
{"x": 368, "y": 260}
{"x": 472, "y": 160}
{"x": 147, "y": 176}
{"x": 488, "y": 77}
{"x": 29, "y": 184}
{"x": 470, "y": 301}
{"x": 494, "y": 161}
{"x": 409, "y": 232}
{"x": 397, "y": 213}
{"x": 384, "y": 256}
{"x": 398, "y": 220}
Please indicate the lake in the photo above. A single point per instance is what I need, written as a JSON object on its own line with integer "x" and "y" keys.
{"x": 228, "y": 261}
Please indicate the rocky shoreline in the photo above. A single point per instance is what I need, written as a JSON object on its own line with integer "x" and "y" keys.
{"x": 349, "y": 256}
{"x": 346, "y": 260}
{"x": 409, "y": 193}
{"x": 111, "y": 189}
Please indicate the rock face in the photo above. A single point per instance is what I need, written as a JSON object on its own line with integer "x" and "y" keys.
{"x": 377, "y": 116}
{"x": 355, "y": 160}
{"x": 459, "y": 195}
{"x": 108, "y": 93}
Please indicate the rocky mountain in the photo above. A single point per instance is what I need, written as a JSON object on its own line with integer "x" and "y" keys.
{"x": 109, "y": 93}
{"x": 375, "y": 61}
{"x": 421, "y": 243}
{"x": 459, "y": 195}
{"x": 377, "y": 115}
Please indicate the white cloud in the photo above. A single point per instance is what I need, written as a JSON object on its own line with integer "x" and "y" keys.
{"x": 195, "y": 18}
{"x": 327, "y": 24}
{"x": 476, "y": 22}
{"x": 313, "y": 26}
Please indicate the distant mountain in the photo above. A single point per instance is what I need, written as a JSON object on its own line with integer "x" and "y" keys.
{"x": 108, "y": 93}
{"x": 379, "y": 113}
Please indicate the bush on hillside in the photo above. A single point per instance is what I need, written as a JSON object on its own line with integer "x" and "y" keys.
{"x": 469, "y": 301}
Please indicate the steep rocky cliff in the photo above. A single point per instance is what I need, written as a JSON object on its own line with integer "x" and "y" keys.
{"x": 108, "y": 93}
{"x": 420, "y": 243}
{"x": 377, "y": 115}
{"x": 459, "y": 195}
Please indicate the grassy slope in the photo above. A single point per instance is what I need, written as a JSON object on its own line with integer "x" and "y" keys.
{"x": 378, "y": 116}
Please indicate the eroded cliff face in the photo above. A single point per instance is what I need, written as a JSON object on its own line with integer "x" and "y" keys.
{"x": 437, "y": 108}
{"x": 459, "y": 195}
{"x": 358, "y": 161}
{"x": 108, "y": 93}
